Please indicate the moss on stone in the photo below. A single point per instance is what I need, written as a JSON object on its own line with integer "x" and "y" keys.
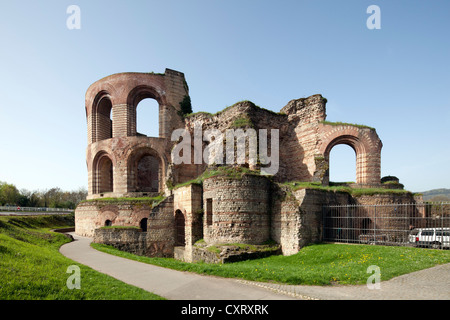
{"x": 343, "y": 187}
{"x": 140, "y": 200}
{"x": 361, "y": 126}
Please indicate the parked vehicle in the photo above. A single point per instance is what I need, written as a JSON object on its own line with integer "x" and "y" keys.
{"x": 430, "y": 237}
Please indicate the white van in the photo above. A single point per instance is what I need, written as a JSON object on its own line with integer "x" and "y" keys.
{"x": 430, "y": 237}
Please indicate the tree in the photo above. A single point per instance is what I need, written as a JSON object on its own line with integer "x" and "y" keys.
{"x": 53, "y": 198}
{"x": 185, "y": 106}
{"x": 8, "y": 194}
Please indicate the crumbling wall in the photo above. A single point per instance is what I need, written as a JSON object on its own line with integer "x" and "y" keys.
{"x": 249, "y": 209}
{"x": 285, "y": 219}
{"x": 160, "y": 239}
{"x": 129, "y": 240}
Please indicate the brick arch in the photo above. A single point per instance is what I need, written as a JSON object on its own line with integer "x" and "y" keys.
{"x": 107, "y": 216}
{"x": 142, "y": 163}
{"x": 366, "y": 144}
{"x": 103, "y": 173}
{"x": 125, "y": 87}
{"x": 140, "y": 93}
{"x": 140, "y": 215}
{"x": 143, "y": 91}
{"x": 128, "y": 89}
{"x": 111, "y": 118}
{"x": 100, "y": 117}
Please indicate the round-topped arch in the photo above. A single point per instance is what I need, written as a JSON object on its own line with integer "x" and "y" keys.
{"x": 146, "y": 171}
{"x": 366, "y": 144}
{"x": 140, "y": 93}
{"x": 102, "y": 173}
{"x": 125, "y": 91}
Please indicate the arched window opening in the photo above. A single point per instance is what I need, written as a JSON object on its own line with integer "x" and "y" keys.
{"x": 108, "y": 223}
{"x": 105, "y": 182}
{"x": 104, "y": 122}
{"x": 143, "y": 224}
{"x": 342, "y": 164}
{"x": 145, "y": 171}
{"x": 148, "y": 174}
{"x": 179, "y": 229}
{"x": 147, "y": 118}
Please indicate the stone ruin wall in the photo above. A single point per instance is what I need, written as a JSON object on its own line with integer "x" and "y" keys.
{"x": 250, "y": 211}
{"x": 304, "y": 146}
{"x": 157, "y": 241}
{"x": 238, "y": 211}
{"x": 298, "y": 132}
{"x": 305, "y": 140}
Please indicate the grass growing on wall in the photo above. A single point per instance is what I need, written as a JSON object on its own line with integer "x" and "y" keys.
{"x": 225, "y": 171}
{"x": 295, "y": 185}
{"x": 361, "y": 126}
{"x": 121, "y": 227}
{"x": 152, "y": 200}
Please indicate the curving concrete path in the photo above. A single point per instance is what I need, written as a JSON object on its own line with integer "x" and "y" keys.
{"x": 429, "y": 284}
{"x": 167, "y": 283}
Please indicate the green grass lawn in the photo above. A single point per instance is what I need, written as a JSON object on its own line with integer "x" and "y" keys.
{"x": 321, "y": 264}
{"x": 31, "y": 267}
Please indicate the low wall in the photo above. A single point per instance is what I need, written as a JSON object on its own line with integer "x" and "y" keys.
{"x": 159, "y": 239}
{"x": 229, "y": 254}
{"x": 129, "y": 240}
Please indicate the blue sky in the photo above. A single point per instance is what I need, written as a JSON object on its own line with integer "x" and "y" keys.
{"x": 395, "y": 79}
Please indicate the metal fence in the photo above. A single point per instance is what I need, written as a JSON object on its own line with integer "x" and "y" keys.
{"x": 417, "y": 224}
{"x": 33, "y": 209}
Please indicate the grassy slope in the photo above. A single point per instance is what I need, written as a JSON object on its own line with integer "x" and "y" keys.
{"x": 31, "y": 267}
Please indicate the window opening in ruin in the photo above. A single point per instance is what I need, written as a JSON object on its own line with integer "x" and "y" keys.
{"x": 147, "y": 118}
{"x": 342, "y": 165}
{"x": 108, "y": 223}
{"x": 105, "y": 175}
{"x": 148, "y": 174}
{"x": 143, "y": 224}
{"x": 208, "y": 212}
{"x": 104, "y": 122}
{"x": 179, "y": 229}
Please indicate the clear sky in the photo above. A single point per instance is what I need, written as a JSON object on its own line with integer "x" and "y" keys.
{"x": 395, "y": 79}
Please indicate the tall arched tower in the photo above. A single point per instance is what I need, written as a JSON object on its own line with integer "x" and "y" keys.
{"x": 121, "y": 161}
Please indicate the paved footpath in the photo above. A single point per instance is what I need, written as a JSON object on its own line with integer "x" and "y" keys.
{"x": 429, "y": 284}
{"x": 167, "y": 283}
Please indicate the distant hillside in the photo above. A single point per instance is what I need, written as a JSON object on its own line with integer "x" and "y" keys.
{"x": 436, "y": 195}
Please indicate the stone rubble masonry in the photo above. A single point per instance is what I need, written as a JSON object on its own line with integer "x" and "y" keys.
{"x": 157, "y": 241}
{"x": 240, "y": 209}
{"x": 130, "y": 240}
